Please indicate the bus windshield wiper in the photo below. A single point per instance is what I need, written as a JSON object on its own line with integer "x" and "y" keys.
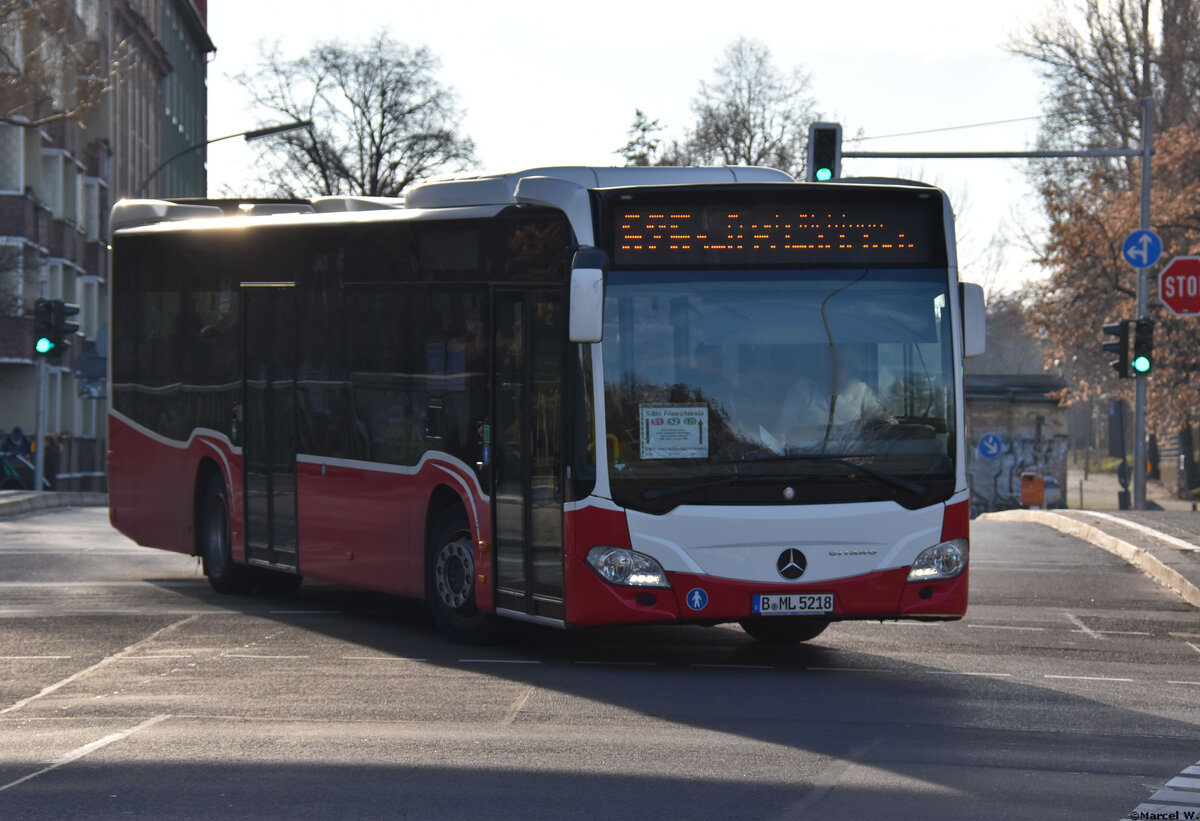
{"x": 840, "y": 459}
{"x": 724, "y": 481}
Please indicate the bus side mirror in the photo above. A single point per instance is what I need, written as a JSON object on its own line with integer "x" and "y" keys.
{"x": 974, "y": 320}
{"x": 586, "y": 313}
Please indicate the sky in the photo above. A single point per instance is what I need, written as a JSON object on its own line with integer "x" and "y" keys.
{"x": 548, "y": 83}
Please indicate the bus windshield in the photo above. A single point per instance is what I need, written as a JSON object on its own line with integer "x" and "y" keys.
{"x": 735, "y": 387}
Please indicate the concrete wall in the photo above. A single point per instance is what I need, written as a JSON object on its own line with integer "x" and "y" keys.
{"x": 1033, "y": 437}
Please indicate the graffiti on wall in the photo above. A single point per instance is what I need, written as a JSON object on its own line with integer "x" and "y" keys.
{"x": 996, "y": 481}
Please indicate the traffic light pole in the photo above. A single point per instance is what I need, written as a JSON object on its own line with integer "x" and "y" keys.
{"x": 39, "y": 425}
{"x": 1143, "y": 312}
{"x": 1143, "y": 308}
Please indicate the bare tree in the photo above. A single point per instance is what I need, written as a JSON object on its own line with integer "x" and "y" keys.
{"x": 49, "y": 70}
{"x": 751, "y": 112}
{"x": 381, "y": 119}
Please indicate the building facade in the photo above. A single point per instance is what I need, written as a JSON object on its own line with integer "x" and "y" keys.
{"x": 90, "y": 103}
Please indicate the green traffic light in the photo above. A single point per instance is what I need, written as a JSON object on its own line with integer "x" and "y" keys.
{"x": 43, "y": 345}
{"x": 1141, "y": 364}
{"x": 824, "y": 174}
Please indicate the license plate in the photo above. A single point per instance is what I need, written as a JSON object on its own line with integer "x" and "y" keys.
{"x": 792, "y": 604}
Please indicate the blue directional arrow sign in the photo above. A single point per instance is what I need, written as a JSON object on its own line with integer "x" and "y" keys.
{"x": 1142, "y": 248}
{"x": 990, "y": 446}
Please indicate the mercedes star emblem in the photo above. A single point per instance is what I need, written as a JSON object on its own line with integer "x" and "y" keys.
{"x": 791, "y": 564}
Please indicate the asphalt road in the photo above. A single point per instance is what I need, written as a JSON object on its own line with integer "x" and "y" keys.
{"x": 129, "y": 689}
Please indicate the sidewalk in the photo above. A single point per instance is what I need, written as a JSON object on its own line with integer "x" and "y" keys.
{"x": 1100, "y": 492}
{"x": 20, "y": 502}
{"x": 1163, "y": 544}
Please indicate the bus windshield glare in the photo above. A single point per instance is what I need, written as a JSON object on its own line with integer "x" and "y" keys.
{"x": 778, "y": 386}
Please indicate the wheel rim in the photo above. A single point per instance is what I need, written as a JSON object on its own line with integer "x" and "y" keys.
{"x": 454, "y": 573}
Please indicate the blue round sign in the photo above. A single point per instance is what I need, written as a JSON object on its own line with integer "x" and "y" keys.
{"x": 1142, "y": 248}
{"x": 990, "y": 446}
{"x": 697, "y": 598}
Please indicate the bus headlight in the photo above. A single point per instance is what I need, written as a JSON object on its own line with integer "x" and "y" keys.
{"x": 942, "y": 561}
{"x": 628, "y": 568}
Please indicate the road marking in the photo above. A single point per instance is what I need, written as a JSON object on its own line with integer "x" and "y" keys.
{"x": 517, "y": 706}
{"x": 1086, "y": 678}
{"x": 379, "y": 658}
{"x": 104, "y": 662}
{"x": 143, "y": 658}
{"x": 86, "y": 749}
{"x": 848, "y": 669}
{"x": 196, "y": 583}
{"x": 1197, "y": 683}
{"x": 827, "y": 780}
{"x": 1185, "y": 635}
{"x": 251, "y": 656}
{"x": 621, "y": 663}
{"x": 1075, "y": 620}
{"x": 30, "y": 658}
{"x": 1124, "y": 632}
{"x": 498, "y": 661}
{"x": 1007, "y": 627}
{"x": 1193, "y": 646}
{"x": 958, "y": 673}
{"x": 737, "y": 666}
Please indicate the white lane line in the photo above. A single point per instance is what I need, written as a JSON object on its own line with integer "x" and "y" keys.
{"x": 1193, "y": 646}
{"x": 1124, "y": 632}
{"x": 197, "y": 583}
{"x": 736, "y": 666}
{"x": 620, "y": 663}
{"x": 959, "y": 673}
{"x": 379, "y": 658}
{"x": 30, "y": 658}
{"x": 1086, "y": 678}
{"x": 1075, "y": 620}
{"x": 86, "y": 749}
{"x": 498, "y": 661}
{"x": 848, "y": 669}
{"x": 144, "y": 658}
{"x": 251, "y": 656}
{"x": 1006, "y": 627}
{"x": 1149, "y": 531}
{"x": 104, "y": 662}
{"x": 1197, "y": 683}
{"x": 517, "y": 706}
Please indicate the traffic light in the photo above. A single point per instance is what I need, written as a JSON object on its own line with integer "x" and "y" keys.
{"x": 43, "y": 328}
{"x": 824, "y": 152}
{"x": 53, "y": 328}
{"x": 1142, "y": 359}
{"x": 1119, "y": 346}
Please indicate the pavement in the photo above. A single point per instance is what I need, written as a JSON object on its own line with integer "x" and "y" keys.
{"x": 129, "y": 688}
{"x": 20, "y": 502}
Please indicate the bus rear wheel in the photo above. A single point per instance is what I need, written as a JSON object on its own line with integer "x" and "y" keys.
{"x": 216, "y": 543}
{"x": 788, "y": 631}
{"x": 450, "y": 580}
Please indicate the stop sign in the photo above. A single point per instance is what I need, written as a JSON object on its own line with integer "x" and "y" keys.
{"x": 1179, "y": 286}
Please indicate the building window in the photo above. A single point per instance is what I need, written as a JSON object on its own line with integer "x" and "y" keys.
{"x": 12, "y": 159}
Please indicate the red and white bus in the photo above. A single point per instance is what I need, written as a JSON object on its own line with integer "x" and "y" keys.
{"x": 571, "y": 396}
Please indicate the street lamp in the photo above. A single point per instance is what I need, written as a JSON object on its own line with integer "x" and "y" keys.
{"x": 249, "y": 135}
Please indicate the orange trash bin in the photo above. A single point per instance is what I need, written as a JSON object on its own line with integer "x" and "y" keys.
{"x": 1033, "y": 490}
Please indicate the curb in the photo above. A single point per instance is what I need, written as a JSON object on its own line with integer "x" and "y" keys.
{"x": 20, "y": 504}
{"x": 1139, "y": 557}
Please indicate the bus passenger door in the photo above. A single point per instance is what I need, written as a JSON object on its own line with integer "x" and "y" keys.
{"x": 527, "y": 436}
{"x": 269, "y": 422}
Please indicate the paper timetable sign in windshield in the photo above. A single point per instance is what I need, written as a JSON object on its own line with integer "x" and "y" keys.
{"x": 674, "y": 431}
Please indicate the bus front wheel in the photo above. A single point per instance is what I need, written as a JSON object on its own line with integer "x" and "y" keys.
{"x": 216, "y": 543}
{"x": 786, "y": 631}
{"x": 450, "y": 580}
